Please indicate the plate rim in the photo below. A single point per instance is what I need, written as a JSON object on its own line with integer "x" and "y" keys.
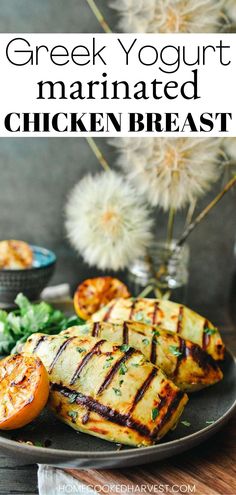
{"x": 130, "y": 452}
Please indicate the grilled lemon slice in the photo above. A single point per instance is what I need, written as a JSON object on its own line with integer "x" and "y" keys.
{"x": 94, "y": 293}
{"x": 24, "y": 390}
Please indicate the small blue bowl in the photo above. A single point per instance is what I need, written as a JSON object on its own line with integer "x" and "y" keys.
{"x": 30, "y": 281}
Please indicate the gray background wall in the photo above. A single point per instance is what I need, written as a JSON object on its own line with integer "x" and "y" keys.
{"x": 37, "y": 174}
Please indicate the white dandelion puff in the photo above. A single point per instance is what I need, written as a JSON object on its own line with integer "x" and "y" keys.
{"x": 170, "y": 172}
{"x": 106, "y": 222}
{"x": 230, "y": 7}
{"x": 230, "y": 147}
{"x": 169, "y": 16}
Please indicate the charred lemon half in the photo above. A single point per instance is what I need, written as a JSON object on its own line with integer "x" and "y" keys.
{"x": 24, "y": 390}
{"x": 94, "y": 293}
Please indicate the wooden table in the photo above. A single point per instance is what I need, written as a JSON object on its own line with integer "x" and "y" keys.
{"x": 209, "y": 469}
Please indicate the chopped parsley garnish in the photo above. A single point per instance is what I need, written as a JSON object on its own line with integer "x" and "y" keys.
{"x": 186, "y": 423}
{"x": 80, "y": 349}
{"x": 210, "y": 331}
{"x": 72, "y": 398}
{"x": 145, "y": 341}
{"x": 155, "y": 413}
{"x": 139, "y": 316}
{"x": 125, "y": 347}
{"x": 121, "y": 382}
{"x": 174, "y": 349}
{"x": 156, "y": 333}
{"x": 136, "y": 365}
{"x": 123, "y": 369}
{"x": 117, "y": 391}
{"x": 108, "y": 363}
{"x": 73, "y": 414}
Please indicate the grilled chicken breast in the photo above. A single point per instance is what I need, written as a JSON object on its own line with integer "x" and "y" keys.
{"x": 107, "y": 390}
{"x": 184, "y": 362}
{"x": 168, "y": 315}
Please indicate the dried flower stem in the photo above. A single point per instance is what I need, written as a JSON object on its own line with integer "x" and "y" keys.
{"x": 97, "y": 152}
{"x": 170, "y": 226}
{"x": 99, "y": 16}
{"x": 190, "y": 213}
{"x": 205, "y": 212}
{"x": 188, "y": 230}
{"x": 146, "y": 291}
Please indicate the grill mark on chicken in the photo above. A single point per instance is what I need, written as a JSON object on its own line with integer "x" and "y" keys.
{"x": 142, "y": 390}
{"x": 125, "y": 333}
{"x": 85, "y": 418}
{"x": 132, "y": 308}
{"x": 59, "y": 408}
{"x": 155, "y": 312}
{"x": 114, "y": 370}
{"x": 153, "y": 356}
{"x": 40, "y": 341}
{"x": 180, "y": 320}
{"x": 85, "y": 361}
{"x": 201, "y": 357}
{"x": 173, "y": 406}
{"x": 205, "y": 337}
{"x": 105, "y": 411}
{"x": 59, "y": 353}
{"x": 109, "y": 311}
{"x": 96, "y": 328}
{"x": 182, "y": 355}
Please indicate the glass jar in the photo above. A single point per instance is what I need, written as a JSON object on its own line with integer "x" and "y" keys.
{"x": 165, "y": 268}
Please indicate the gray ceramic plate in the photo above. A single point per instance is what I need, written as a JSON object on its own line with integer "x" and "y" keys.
{"x": 69, "y": 449}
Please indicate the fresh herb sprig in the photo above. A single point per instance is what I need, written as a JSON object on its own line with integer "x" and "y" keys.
{"x": 174, "y": 349}
{"x": 28, "y": 318}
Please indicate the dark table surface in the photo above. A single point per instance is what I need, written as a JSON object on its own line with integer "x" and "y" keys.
{"x": 218, "y": 454}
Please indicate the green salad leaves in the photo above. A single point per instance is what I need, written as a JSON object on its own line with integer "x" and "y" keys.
{"x": 18, "y": 325}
